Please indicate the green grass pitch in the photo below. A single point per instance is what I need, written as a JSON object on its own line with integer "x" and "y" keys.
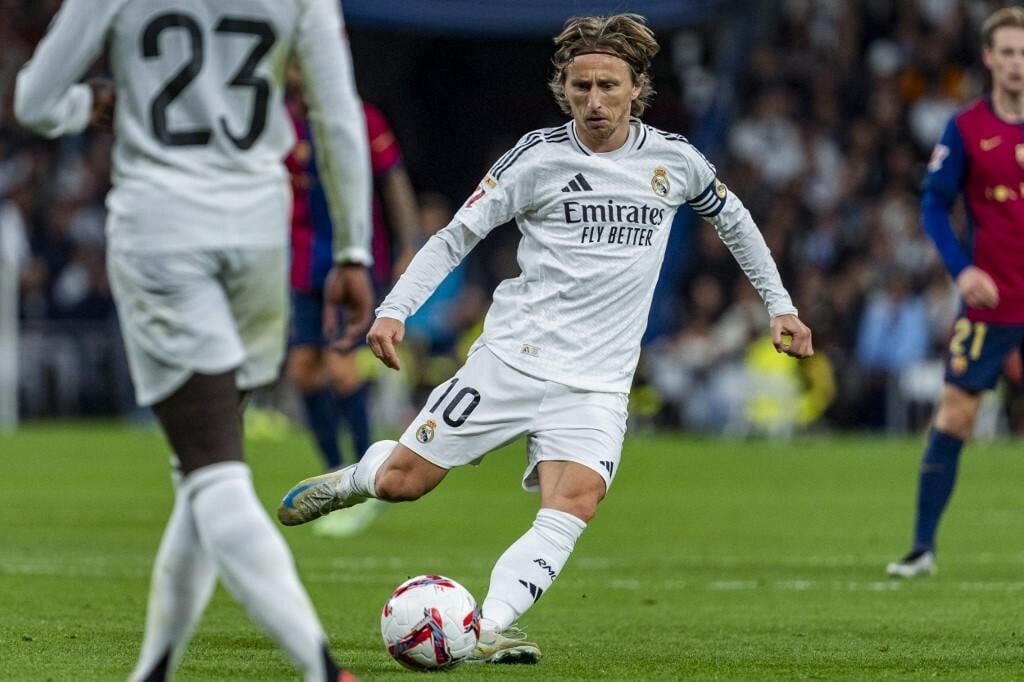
{"x": 708, "y": 560}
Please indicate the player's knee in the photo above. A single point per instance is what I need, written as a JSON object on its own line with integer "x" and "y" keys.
{"x": 956, "y": 423}
{"x": 306, "y": 383}
{"x": 956, "y": 415}
{"x": 583, "y": 507}
{"x": 344, "y": 373}
{"x": 304, "y": 371}
{"x": 584, "y": 510}
{"x": 346, "y": 385}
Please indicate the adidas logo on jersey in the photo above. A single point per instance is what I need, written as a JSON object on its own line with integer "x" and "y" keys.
{"x": 578, "y": 184}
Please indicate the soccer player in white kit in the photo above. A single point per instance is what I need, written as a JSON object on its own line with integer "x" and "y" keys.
{"x": 594, "y": 200}
{"x": 197, "y": 255}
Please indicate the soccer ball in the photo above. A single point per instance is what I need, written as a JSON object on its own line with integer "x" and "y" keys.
{"x": 430, "y": 622}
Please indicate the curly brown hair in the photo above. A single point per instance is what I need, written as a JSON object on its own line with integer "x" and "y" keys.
{"x": 625, "y": 36}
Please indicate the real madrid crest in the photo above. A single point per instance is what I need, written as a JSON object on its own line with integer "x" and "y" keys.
{"x": 659, "y": 182}
{"x": 1018, "y": 152}
{"x": 425, "y": 433}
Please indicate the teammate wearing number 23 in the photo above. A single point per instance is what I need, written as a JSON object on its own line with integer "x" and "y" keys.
{"x": 981, "y": 157}
{"x": 197, "y": 254}
{"x": 594, "y": 199}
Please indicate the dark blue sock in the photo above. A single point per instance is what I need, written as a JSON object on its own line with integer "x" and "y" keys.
{"x": 322, "y": 417}
{"x": 354, "y": 411}
{"x": 935, "y": 485}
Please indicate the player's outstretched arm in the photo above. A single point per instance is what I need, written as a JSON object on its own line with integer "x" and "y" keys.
{"x": 791, "y": 336}
{"x": 428, "y": 268}
{"x": 339, "y": 127}
{"x": 385, "y": 334}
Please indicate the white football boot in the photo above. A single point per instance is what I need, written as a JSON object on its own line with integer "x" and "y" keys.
{"x": 508, "y": 646}
{"x": 915, "y": 565}
{"x": 314, "y": 497}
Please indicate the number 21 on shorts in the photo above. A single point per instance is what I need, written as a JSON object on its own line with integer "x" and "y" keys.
{"x": 963, "y": 331}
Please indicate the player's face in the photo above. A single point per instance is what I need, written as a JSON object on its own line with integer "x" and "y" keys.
{"x": 1005, "y": 59}
{"x": 600, "y": 91}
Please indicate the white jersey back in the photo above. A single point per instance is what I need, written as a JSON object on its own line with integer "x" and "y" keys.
{"x": 201, "y": 127}
{"x": 594, "y": 231}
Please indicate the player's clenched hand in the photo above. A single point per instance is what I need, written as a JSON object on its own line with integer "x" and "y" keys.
{"x": 348, "y": 286}
{"x": 104, "y": 99}
{"x": 384, "y": 335}
{"x": 977, "y": 288}
{"x": 791, "y": 336}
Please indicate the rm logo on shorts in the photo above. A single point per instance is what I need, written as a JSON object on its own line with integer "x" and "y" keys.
{"x": 425, "y": 433}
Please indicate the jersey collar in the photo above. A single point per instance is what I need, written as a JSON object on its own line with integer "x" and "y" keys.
{"x": 636, "y": 139}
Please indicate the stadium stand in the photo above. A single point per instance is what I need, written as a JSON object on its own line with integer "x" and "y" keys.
{"x": 820, "y": 115}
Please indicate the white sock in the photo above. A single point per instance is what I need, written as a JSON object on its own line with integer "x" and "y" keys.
{"x": 183, "y": 579}
{"x": 526, "y": 570}
{"x": 364, "y": 476}
{"x": 254, "y": 562}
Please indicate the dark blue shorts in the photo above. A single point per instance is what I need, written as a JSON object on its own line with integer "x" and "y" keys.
{"x": 977, "y": 352}
{"x": 307, "y": 326}
{"x": 307, "y": 319}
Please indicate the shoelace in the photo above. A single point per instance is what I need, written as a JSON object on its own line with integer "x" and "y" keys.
{"x": 514, "y": 632}
{"x": 315, "y": 499}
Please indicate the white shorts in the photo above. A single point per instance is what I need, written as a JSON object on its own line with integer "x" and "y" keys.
{"x": 205, "y": 312}
{"x": 489, "y": 403}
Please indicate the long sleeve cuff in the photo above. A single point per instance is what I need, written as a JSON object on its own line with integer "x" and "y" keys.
{"x": 68, "y": 115}
{"x": 353, "y": 254}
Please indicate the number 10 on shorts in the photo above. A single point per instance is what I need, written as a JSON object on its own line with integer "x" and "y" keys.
{"x": 458, "y": 402}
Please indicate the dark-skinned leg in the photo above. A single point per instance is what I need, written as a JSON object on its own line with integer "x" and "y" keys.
{"x": 201, "y": 421}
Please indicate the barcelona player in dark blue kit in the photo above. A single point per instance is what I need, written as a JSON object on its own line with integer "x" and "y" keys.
{"x": 980, "y": 156}
{"x": 331, "y": 384}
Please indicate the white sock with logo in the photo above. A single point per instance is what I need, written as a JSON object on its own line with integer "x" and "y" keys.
{"x": 254, "y": 562}
{"x": 364, "y": 476}
{"x": 183, "y": 579}
{"x": 528, "y": 568}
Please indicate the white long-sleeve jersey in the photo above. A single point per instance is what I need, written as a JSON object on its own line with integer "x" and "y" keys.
{"x": 201, "y": 129}
{"x": 594, "y": 230}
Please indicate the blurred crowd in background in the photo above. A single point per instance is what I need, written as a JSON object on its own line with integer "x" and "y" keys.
{"x": 821, "y": 123}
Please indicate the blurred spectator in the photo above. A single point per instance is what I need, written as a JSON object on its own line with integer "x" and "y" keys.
{"x": 770, "y": 140}
{"x": 894, "y": 327}
{"x": 15, "y": 199}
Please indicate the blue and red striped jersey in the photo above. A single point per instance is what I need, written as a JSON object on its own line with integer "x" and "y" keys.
{"x": 311, "y": 233}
